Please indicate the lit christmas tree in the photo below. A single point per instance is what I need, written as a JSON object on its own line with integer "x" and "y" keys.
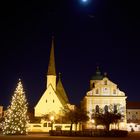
{"x": 16, "y": 118}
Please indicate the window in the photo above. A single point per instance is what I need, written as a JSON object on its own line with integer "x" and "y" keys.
{"x": 105, "y": 82}
{"x": 53, "y": 101}
{"x": 36, "y": 125}
{"x": 114, "y": 91}
{"x": 49, "y": 124}
{"x": 97, "y": 109}
{"x": 46, "y": 101}
{"x": 45, "y": 125}
{"x": 67, "y": 126}
{"x": 136, "y": 112}
{"x": 97, "y": 91}
{"x": 115, "y": 108}
{"x": 106, "y": 108}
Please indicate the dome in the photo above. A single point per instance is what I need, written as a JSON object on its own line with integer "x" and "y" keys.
{"x": 97, "y": 75}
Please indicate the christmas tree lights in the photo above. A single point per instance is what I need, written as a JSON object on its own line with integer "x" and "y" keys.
{"x": 16, "y": 118}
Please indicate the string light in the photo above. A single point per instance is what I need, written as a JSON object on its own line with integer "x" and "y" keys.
{"x": 16, "y": 118}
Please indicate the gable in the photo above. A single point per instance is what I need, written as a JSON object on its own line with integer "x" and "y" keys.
{"x": 105, "y": 87}
{"x": 49, "y": 102}
{"x": 105, "y": 82}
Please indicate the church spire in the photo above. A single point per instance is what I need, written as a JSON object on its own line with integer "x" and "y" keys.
{"x": 61, "y": 93}
{"x": 51, "y": 67}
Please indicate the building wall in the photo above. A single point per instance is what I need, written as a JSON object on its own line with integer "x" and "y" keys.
{"x": 133, "y": 127}
{"x": 105, "y": 93}
{"x": 133, "y": 119}
{"x": 1, "y": 111}
{"x": 51, "y": 80}
{"x": 49, "y": 103}
{"x": 133, "y": 115}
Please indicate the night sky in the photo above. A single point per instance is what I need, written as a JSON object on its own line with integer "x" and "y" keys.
{"x": 97, "y": 33}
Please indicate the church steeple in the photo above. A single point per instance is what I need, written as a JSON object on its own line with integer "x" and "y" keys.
{"x": 61, "y": 93}
{"x": 51, "y": 67}
{"x": 51, "y": 75}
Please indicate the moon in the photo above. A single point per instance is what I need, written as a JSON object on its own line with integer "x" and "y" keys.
{"x": 84, "y": 0}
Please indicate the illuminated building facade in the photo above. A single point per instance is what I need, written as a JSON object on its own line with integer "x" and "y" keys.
{"x": 1, "y": 111}
{"x": 102, "y": 94}
{"x": 133, "y": 116}
{"x": 54, "y": 98}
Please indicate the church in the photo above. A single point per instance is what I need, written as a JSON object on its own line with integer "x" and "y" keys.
{"x": 104, "y": 94}
{"x": 54, "y": 98}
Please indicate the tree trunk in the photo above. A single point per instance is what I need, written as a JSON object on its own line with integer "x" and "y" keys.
{"x": 76, "y": 127}
{"x": 118, "y": 126}
{"x": 71, "y": 128}
{"x": 95, "y": 127}
{"x": 107, "y": 127}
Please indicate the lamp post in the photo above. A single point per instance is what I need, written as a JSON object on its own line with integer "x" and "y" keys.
{"x": 52, "y": 120}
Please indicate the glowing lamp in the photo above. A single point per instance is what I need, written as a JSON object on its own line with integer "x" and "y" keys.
{"x": 93, "y": 121}
{"x": 52, "y": 118}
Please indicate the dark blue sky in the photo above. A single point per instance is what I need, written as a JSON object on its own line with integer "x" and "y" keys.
{"x": 102, "y": 32}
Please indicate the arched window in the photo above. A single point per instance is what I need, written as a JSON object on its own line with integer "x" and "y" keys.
{"x": 53, "y": 101}
{"x": 106, "y": 108}
{"x": 97, "y": 91}
{"x": 97, "y": 109}
{"x": 115, "y": 108}
{"x": 114, "y": 91}
{"x": 105, "y": 82}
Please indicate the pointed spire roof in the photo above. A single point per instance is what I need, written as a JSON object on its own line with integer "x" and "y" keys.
{"x": 61, "y": 91}
{"x": 51, "y": 67}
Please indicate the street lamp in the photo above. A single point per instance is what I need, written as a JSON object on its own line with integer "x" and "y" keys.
{"x": 52, "y": 120}
{"x": 93, "y": 122}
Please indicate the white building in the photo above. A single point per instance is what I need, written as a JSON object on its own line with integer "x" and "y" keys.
{"x": 1, "y": 111}
{"x": 133, "y": 116}
{"x": 102, "y": 94}
{"x": 54, "y": 98}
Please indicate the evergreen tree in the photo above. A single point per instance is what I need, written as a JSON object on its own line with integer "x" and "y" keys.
{"x": 16, "y": 119}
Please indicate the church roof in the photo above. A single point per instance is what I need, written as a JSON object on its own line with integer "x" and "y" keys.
{"x": 133, "y": 105}
{"x": 97, "y": 75}
{"x": 51, "y": 67}
{"x": 60, "y": 91}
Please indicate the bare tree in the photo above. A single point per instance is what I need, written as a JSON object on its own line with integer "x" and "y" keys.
{"x": 78, "y": 115}
{"x": 107, "y": 117}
